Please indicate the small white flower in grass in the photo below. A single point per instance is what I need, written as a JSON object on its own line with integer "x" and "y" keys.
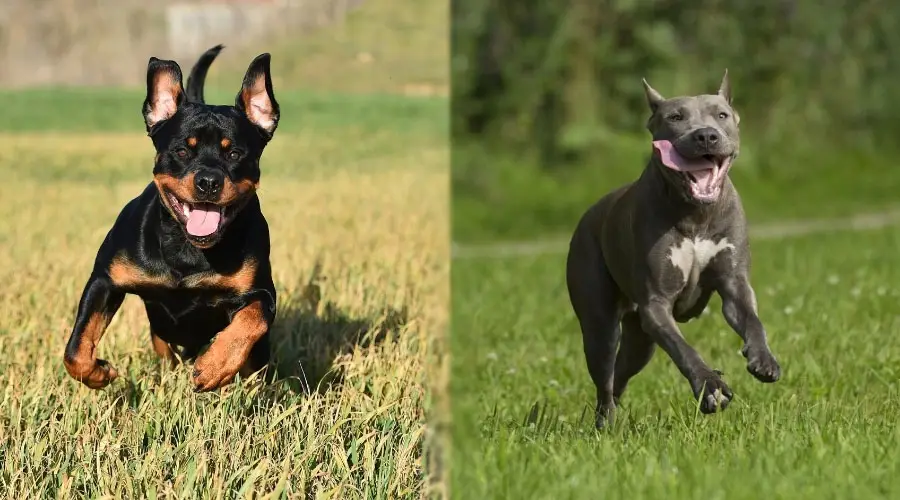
{"x": 511, "y": 371}
{"x": 789, "y": 310}
{"x": 492, "y": 356}
{"x": 855, "y": 291}
{"x": 834, "y": 279}
{"x": 543, "y": 359}
{"x": 553, "y": 383}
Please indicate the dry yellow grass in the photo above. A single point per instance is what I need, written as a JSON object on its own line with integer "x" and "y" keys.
{"x": 370, "y": 232}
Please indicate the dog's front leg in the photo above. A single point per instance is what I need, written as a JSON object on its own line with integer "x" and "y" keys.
{"x": 99, "y": 303}
{"x": 708, "y": 386}
{"x": 739, "y": 309}
{"x": 231, "y": 350}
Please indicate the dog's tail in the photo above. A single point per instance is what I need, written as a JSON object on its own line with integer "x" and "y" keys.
{"x": 197, "y": 77}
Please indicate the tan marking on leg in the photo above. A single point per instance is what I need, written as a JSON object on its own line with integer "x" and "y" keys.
{"x": 229, "y": 353}
{"x": 83, "y": 366}
{"x": 225, "y": 143}
{"x": 192, "y": 142}
{"x": 164, "y": 351}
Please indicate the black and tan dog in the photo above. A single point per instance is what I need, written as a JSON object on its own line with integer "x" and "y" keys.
{"x": 194, "y": 246}
{"x": 650, "y": 254}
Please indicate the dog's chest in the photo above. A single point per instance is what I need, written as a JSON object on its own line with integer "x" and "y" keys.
{"x": 690, "y": 256}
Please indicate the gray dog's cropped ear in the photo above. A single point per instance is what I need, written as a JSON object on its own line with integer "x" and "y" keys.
{"x": 725, "y": 87}
{"x": 654, "y": 98}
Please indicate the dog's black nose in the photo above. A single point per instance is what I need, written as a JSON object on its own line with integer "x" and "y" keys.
{"x": 706, "y": 137}
{"x": 208, "y": 183}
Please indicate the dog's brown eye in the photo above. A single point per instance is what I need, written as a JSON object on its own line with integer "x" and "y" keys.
{"x": 234, "y": 155}
{"x": 675, "y": 117}
{"x": 181, "y": 152}
{"x": 723, "y": 115}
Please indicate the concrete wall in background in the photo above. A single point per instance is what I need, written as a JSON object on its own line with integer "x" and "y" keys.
{"x": 108, "y": 42}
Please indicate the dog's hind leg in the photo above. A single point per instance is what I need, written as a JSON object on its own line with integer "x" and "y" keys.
{"x": 635, "y": 351}
{"x": 163, "y": 350}
{"x": 594, "y": 297}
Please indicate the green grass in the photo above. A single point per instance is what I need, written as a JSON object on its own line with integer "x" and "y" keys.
{"x": 117, "y": 110}
{"x": 522, "y": 396}
{"x": 502, "y": 196}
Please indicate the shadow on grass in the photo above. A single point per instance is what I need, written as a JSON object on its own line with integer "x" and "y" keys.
{"x": 311, "y": 334}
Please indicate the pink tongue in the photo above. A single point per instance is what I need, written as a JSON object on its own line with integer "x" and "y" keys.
{"x": 203, "y": 220}
{"x": 675, "y": 161}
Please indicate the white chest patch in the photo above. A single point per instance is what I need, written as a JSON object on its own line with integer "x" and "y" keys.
{"x": 696, "y": 253}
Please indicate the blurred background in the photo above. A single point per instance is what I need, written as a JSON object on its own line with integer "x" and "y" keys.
{"x": 86, "y": 42}
{"x": 54, "y": 53}
{"x": 549, "y": 112}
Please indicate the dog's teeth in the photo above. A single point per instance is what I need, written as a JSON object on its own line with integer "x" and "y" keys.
{"x": 186, "y": 209}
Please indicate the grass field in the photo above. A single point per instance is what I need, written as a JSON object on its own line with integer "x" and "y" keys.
{"x": 522, "y": 397}
{"x": 355, "y": 192}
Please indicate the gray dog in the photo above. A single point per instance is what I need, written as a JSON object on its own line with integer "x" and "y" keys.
{"x": 650, "y": 254}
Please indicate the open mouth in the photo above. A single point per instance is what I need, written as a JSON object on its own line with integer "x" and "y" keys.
{"x": 201, "y": 221}
{"x": 705, "y": 175}
{"x": 706, "y": 180}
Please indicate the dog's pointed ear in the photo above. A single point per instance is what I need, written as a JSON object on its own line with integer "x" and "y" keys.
{"x": 654, "y": 98}
{"x": 725, "y": 87}
{"x": 256, "y": 98}
{"x": 164, "y": 91}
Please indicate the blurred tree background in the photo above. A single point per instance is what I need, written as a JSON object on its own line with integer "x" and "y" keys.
{"x": 549, "y": 112}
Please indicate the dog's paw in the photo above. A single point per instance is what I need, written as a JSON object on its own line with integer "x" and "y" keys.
{"x": 96, "y": 374}
{"x": 761, "y": 363}
{"x": 215, "y": 369}
{"x": 714, "y": 394}
{"x": 604, "y": 416}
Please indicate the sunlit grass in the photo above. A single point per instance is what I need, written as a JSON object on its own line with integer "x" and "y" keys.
{"x": 359, "y": 246}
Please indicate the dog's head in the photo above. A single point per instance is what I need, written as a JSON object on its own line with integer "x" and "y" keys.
{"x": 207, "y": 157}
{"x": 695, "y": 139}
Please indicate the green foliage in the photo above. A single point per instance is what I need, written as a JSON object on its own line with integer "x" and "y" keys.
{"x": 557, "y": 87}
{"x": 794, "y": 64}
